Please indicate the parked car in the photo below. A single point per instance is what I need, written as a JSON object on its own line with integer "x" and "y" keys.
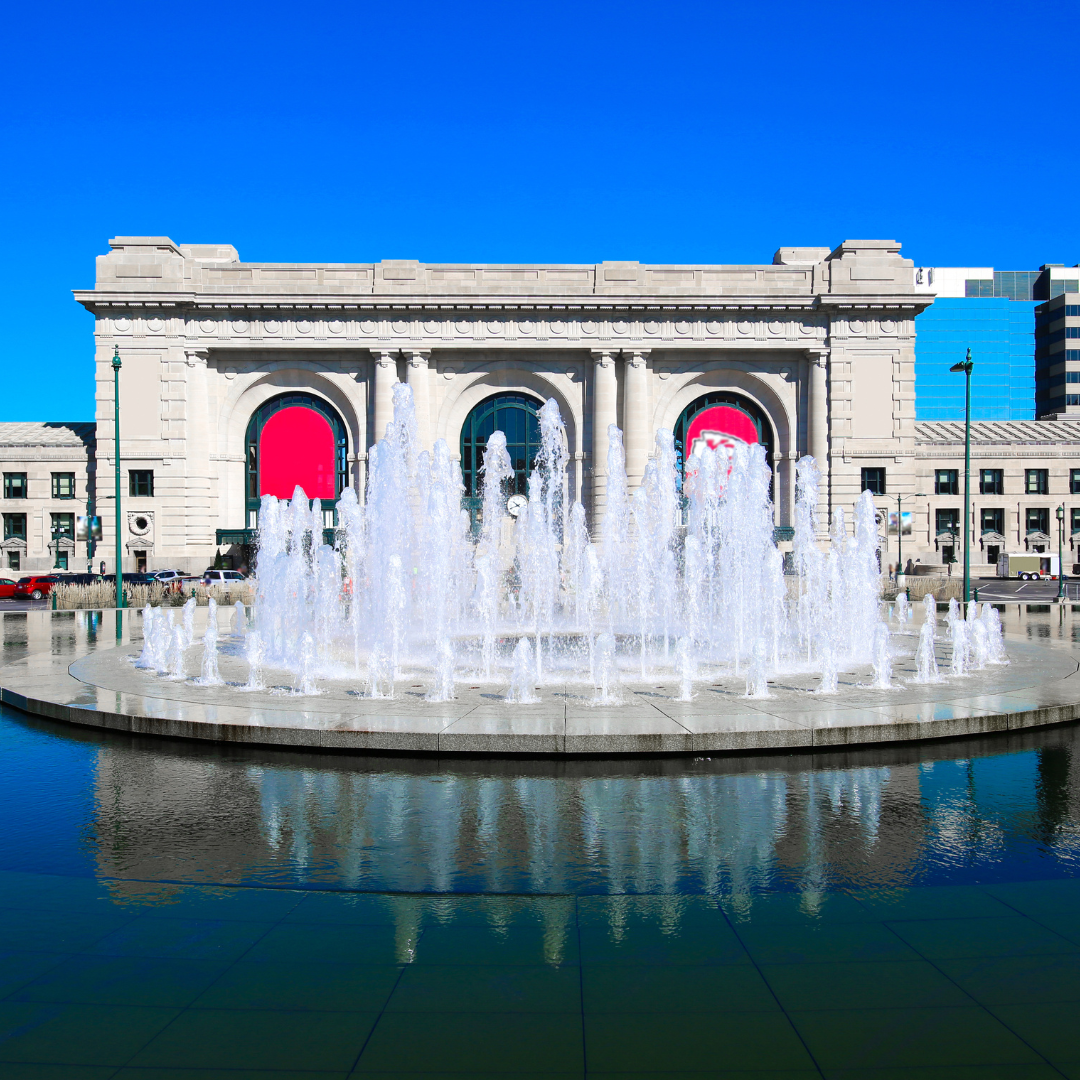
{"x": 8, "y": 579}
{"x": 36, "y": 587}
{"x": 222, "y": 577}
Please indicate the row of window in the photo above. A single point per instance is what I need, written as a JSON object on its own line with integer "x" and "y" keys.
{"x": 992, "y": 482}
{"x": 62, "y": 525}
{"x": 992, "y": 520}
{"x": 140, "y": 484}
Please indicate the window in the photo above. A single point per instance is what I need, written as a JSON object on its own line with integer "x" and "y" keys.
{"x": 1075, "y": 517}
{"x": 1072, "y": 331}
{"x": 13, "y": 560}
{"x": 946, "y": 482}
{"x": 1038, "y": 520}
{"x": 14, "y": 485}
{"x": 1037, "y": 481}
{"x": 1072, "y": 399}
{"x": 63, "y": 525}
{"x": 1074, "y": 481}
{"x": 873, "y": 480}
{"x": 993, "y": 521}
{"x": 948, "y": 553}
{"x": 991, "y": 482}
{"x": 61, "y": 560}
{"x": 1072, "y": 376}
{"x": 14, "y": 526}
{"x": 141, "y": 482}
{"x": 947, "y": 522}
{"x": 993, "y": 553}
{"x": 140, "y": 562}
{"x": 63, "y": 485}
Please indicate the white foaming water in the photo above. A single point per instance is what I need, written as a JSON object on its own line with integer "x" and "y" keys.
{"x": 521, "y": 680}
{"x": 210, "y": 675}
{"x": 882, "y": 658}
{"x": 410, "y": 593}
{"x": 239, "y": 619}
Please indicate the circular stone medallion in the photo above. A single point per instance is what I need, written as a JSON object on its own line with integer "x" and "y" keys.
{"x": 887, "y": 326}
{"x": 856, "y": 326}
{"x": 303, "y": 327}
{"x": 494, "y": 326}
{"x": 240, "y": 327}
{"x": 713, "y": 327}
{"x": 558, "y": 326}
{"x": 463, "y": 327}
{"x": 272, "y": 327}
{"x": 431, "y": 327}
{"x": 367, "y": 327}
{"x": 652, "y": 327}
{"x": 776, "y": 327}
{"x": 399, "y": 326}
{"x": 207, "y": 326}
{"x": 335, "y": 326}
{"x": 155, "y": 326}
{"x": 745, "y": 327}
{"x": 682, "y": 327}
{"x": 525, "y": 326}
{"x": 620, "y": 327}
{"x": 588, "y": 327}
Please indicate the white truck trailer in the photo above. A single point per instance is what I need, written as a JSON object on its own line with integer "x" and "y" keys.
{"x": 1028, "y": 566}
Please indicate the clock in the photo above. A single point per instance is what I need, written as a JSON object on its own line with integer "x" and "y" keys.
{"x": 515, "y": 504}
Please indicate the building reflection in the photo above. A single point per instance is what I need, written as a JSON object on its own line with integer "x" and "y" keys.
{"x": 729, "y": 829}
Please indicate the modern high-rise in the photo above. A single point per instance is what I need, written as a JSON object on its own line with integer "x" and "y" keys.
{"x": 995, "y": 314}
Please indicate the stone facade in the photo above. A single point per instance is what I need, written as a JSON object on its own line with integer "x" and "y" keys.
{"x": 820, "y": 341}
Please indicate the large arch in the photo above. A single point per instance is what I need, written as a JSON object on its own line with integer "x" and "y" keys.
{"x": 271, "y": 469}
{"x": 719, "y": 377}
{"x": 516, "y": 416}
{"x": 472, "y": 388}
{"x": 246, "y": 394}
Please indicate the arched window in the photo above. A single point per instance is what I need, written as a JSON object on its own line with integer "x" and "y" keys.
{"x": 292, "y": 439}
{"x": 515, "y": 416}
{"x": 746, "y": 422}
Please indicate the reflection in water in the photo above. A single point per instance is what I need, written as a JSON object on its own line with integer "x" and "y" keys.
{"x": 726, "y": 828}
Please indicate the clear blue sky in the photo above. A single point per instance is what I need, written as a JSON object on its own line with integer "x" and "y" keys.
{"x": 664, "y": 132}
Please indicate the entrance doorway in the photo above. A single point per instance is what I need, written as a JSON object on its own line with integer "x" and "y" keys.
{"x": 140, "y": 562}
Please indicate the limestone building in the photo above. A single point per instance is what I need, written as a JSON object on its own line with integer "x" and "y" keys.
{"x": 243, "y": 378}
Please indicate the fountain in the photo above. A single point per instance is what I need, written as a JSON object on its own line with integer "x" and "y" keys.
{"x": 685, "y": 581}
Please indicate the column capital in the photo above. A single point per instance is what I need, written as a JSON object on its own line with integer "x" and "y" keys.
{"x": 818, "y": 356}
{"x": 636, "y": 357}
{"x": 417, "y": 357}
{"x": 196, "y": 356}
{"x": 604, "y": 357}
{"x": 384, "y": 358}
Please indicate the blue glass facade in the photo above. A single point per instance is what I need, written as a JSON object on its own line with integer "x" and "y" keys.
{"x": 1001, "y": 336}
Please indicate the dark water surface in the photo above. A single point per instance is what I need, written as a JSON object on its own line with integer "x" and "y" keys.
{"x": 88, "y": 803}
{"x": 177, "y": 910}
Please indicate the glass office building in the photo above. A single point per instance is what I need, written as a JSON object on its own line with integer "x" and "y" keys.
{"x": 993, "y": 313}
{"x": 1001, "y": 335}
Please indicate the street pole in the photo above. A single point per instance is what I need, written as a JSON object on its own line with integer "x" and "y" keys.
{"x": 899, "y": 537}
{"x": 1061, "y": 545}
{"x": 966, "y": 367}
{"x": 116, "y": 430}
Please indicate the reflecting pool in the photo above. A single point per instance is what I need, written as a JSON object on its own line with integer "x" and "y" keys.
{"x": 241, "y": 911}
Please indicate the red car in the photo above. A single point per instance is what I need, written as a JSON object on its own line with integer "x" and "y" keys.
{"x": 36, "y": 587}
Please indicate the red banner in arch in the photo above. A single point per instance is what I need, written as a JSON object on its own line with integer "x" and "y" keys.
{"x": 721, "y": 428}
{"x": 296, "y": 446}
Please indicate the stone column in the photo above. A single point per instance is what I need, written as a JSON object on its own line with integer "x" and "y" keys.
{"x": 819, "y": 428}
{"x": 385, "y": 366}
{"x": 197, "y": 481}
{"x": 604, "y": 405}
{"x": 636, "y": 416}
{"x": 417, "y": 376}
{"x": 778, "y": 464}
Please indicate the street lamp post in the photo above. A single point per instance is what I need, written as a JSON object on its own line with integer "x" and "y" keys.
{"x": 1061, "y": 552}
{"x": 116, "y": 430}
{"x": 966, "y": 367}
{"x": 900, "y": 530}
